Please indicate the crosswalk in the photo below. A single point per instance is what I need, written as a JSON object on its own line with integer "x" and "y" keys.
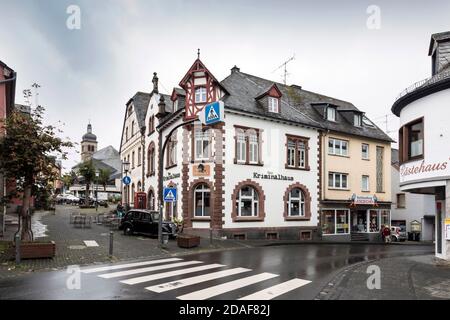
{"x": 183, "y": 272}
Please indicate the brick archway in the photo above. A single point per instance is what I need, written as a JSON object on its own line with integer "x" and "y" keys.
{"x": 261, "y": 201}
{"x": 307, "y": 197}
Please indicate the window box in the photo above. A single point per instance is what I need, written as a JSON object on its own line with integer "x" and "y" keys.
{"x": 188, "y": 241}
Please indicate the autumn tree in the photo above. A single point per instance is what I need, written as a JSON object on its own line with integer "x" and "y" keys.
{"x": 27, "y": 156}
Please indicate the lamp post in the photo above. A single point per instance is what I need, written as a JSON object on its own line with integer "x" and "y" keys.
{"x": 97, "y": 174}
{"x": 143, "y": 129}
{"x": 126, "y": 168}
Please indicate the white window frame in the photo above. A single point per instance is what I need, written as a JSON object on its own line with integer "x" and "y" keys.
{"x": 334, "y": 180}
{"x": 365, "y": 155}
{"x": 337, "y": 147}
{"x": 331, "y": 114}
{"x": 300, "y": 200}
{"x": 255, "y": 203}
{"x": 365, "y": 188}
{"x": 291, "y": 153}
{"x": 357, "y": 120}
{"x": 274, "y": 105}
{"x": 241, "y": 146}
{"x": 253, "y": 148}
{"x": 204, "y": 189}
{"x": 202, "y": 137}
{"x": 200, "y": 95}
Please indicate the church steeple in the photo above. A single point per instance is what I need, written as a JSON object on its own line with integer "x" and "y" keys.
{"x": 88, "y": 144}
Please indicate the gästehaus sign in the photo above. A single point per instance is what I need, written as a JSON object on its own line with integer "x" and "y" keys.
{"x": 271, "y": 176}
{"x": 423, "y": 169}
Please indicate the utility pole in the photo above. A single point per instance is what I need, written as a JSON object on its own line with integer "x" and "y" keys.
{"x": 284, "y": 66}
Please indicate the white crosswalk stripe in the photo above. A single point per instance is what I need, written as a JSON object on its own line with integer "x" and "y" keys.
{"x": 170, "y": 274}
{"x": 226, "y": 287}
{"x": 163, "y": 287}
{"x": 148, "y": 269}
{"x": 277, "y": 290}
{"x": 129, "y": 265}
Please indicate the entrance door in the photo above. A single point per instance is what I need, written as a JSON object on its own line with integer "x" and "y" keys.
{"x": 359, "y": 221}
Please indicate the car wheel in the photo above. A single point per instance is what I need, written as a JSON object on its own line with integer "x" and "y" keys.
{"x": 128, "y": 230}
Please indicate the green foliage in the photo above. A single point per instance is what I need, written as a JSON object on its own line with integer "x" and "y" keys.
{"x": 87, "y": 171}
{"x": 29, "y": 150}
{"x": 103, "y": 177}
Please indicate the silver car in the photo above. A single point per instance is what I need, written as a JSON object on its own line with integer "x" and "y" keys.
{"x": 398, "y": 234}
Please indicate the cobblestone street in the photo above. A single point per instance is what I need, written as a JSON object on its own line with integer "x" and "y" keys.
{"x": 72, "y": 250}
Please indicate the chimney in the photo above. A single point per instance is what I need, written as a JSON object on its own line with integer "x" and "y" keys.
{"x": 235, "y": 69}
{"x": 155, "y": 83}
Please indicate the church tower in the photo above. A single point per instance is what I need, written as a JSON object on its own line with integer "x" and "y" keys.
{"x": 88, "y": 144}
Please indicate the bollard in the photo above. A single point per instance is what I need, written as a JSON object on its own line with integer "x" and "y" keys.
{"x": 17, "y": 248}
{"x": 111, "y": 240}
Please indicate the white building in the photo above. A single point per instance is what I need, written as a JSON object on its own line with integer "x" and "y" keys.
{"x": 424, "y": 138}
{"x": 410, "y": 209}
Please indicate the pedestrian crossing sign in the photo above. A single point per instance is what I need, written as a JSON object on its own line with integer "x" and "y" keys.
{"x": 170, "y": 194}
{"x": 212, "y": 113}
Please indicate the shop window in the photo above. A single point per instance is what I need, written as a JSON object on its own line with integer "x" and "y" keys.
{"x": 401, "y": 201}
{"x": 335, "y": 221}
{"x": 337, "y": 147}
{"x": 385, "y": 217}
{"x": 202, "y": 200}
{"x": 297, "y": 152}
{"x": 373, "y": 221}
{"x": 411, "y": 141}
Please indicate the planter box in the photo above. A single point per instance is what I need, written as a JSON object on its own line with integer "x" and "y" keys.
{"x": 188, "y": 241}
{"x": 36, "y": 250}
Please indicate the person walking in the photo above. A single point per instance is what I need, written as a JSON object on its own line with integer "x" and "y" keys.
{"x": 386, "y": 234}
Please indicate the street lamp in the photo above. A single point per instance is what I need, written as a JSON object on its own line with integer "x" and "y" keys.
{"x": 126, "y": 168}
{"x": 97, "y": 174}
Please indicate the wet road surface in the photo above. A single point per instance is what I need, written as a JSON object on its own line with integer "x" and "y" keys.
{"x": 278, "y": 272}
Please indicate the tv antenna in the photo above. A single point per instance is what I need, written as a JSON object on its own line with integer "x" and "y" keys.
{"x": 284, "y": 66}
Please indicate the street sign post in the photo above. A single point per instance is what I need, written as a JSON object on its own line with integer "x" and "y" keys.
{"x": 126, "y": 180}
{"x": 170, "y": 194}
{"x": 213, "y": 113}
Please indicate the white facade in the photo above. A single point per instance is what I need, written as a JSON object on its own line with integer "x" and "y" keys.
{"x": 415, "y": 207}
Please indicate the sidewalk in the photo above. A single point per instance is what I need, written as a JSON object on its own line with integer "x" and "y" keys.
{"x": 402, "y": 278}
{"x": 72, "y": 250}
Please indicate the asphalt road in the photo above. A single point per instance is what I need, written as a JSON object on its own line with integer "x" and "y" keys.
{"x": 288, "y": 272}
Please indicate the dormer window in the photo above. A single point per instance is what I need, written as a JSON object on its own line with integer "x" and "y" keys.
{"x": 273, "y": 105}
{"x": 331, "y": 114}
{"x": 357, "y": 120}
{"x": 200, "y": 95}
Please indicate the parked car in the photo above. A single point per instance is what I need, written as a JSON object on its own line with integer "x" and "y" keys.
{"x": 71, "y": 199}
{"x": 146, "y": 222}
{"x": 397, "y": 234}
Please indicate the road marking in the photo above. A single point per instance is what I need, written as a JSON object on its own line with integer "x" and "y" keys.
{"x": 170, "y": 274}
{"x": 277, "y": 290}
{"x": 129, "y": 265}
{"x": 226, "y": 287}
{"x": 148, "y": 269}
{"x": 163, "y": 287}
{"x": 90, "y": 243}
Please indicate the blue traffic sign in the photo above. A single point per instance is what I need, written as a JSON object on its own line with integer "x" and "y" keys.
{"x": 170, "y": 194}
{"x": 214, "y": 112}
{"x": 126, "y": 180}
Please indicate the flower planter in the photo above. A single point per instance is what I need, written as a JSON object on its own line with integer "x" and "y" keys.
{"x": 188, "y": 241}
{"x": 36, "y": 250}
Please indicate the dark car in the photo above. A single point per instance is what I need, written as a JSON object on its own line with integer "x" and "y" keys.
{"x": 146, "y": 222}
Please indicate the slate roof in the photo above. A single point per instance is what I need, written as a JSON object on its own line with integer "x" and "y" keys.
{"x": 140, "y": 102}
{"x": 180, "y": 91}
{"x": 107, "y": 158}
{"x": 297, "y": 105}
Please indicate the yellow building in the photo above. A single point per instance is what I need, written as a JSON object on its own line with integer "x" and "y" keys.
{"x": 355, "y": 178}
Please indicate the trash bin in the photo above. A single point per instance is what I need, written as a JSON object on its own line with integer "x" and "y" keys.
{"x": 410, "y": 236}
{"x": 165, "y": 238}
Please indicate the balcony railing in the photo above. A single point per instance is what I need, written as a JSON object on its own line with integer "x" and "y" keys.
{"x": 425, "y": 82}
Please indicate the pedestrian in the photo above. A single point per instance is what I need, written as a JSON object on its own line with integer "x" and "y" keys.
{"x": 386, "y": 234}
{"x": 119, "y": 209}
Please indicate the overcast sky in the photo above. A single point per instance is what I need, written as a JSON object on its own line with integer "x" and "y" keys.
{"x": 92, "y": 72}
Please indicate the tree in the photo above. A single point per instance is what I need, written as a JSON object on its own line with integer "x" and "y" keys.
{"x": 87, "y": 171}
{"x": 27, "y": 156}
{"x": 103, "y": 177}
{"x": 69, "y": 179}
